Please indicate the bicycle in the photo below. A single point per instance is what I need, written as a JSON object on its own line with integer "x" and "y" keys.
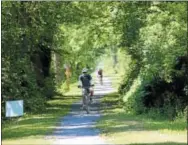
{"x": 86, "y": 98}
{"x": 100, "y": 79}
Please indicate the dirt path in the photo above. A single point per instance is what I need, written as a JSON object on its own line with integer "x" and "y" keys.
{"x": 78, "y": 127}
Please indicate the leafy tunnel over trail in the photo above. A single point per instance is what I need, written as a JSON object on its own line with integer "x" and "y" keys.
{"x": 39, "y": 38}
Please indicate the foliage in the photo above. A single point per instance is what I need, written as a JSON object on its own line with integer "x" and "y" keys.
{"x": 38, "y": 38}
{"x": 27, "y": 43}
{"x": 160, "y": 53}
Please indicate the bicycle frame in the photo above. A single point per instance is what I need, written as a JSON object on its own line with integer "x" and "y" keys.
{"x": 86, "y": 98}
{"x": 100, "y": 79}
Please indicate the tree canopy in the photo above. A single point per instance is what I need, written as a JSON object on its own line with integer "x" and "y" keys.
{"x": 38, "y": 38}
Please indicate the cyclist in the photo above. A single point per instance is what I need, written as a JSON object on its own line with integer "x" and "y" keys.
{"x": 100, "y": 75}
{"x": 85, "y": 81}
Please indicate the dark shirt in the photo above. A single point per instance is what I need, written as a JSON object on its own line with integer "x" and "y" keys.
{"x": 85, "y": 79}
{"x": 100, "y": 72}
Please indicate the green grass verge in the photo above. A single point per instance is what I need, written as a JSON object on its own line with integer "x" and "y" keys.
{"x": 121, "y": 128}
{"x": 32, "y": 128}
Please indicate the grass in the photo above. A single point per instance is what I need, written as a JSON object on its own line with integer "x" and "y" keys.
{"x": 32, "y": 128}
{"x": 119, "y": 127}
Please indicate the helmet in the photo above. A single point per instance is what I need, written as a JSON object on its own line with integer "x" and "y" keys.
{"x": 84, "y": 70}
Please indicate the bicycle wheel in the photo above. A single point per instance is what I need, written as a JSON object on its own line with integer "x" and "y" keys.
{"x": 86, "y": 108}
{"x": 85, "y": 100}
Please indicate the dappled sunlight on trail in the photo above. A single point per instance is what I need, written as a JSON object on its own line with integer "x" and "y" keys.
{"x": 105, "y": 88}
{"x": 78, "y": 127}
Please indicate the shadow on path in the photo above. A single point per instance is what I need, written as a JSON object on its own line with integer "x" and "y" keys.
{"x": 78, "y": 126}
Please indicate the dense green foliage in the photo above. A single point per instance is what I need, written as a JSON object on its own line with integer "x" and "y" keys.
{"x": 157, "y": 80}
{"x": 28, "y": 42}
{"x": 39, "y": 38}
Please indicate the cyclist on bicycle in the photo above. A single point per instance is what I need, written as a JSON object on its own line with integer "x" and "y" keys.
{"x": 85, "y": 82}
{"x": 100, "y": 75}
